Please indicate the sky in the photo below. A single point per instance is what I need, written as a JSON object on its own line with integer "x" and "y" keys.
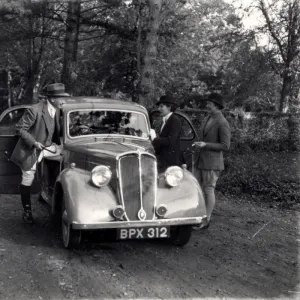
{"x": 251, "y": 19}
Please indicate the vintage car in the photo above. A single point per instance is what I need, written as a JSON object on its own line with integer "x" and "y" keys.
{"x": 106, "y": 177}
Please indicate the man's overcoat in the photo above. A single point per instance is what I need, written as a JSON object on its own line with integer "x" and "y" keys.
{"x": 167, "y": 145}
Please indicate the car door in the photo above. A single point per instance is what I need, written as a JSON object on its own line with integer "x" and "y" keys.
{"x": 10, "y": 174}
{"x": 188, "y": 134}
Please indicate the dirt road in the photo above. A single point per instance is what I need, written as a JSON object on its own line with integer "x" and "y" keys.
{"x": 232, "y": 259}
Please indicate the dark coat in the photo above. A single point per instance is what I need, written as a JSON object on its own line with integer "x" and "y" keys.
{"x": 167, "y": 144}
{"x": 217, "y": 139}
{"x": 33, "y": 127}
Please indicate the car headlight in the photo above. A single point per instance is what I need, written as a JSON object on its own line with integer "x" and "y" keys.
{"x": 101, "y": 176}
{"x": 173, "y": 176}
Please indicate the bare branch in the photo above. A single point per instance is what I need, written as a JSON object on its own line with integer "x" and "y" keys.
{"x": 114, "y": 28}
{"x": 264, "y": 11}
{"x": 104, "y": 8}
{"x": 92, "y": 37}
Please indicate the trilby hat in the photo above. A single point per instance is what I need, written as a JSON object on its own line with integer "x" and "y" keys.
{"x": 56, "y": 90}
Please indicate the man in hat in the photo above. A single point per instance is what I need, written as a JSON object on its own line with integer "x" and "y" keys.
{"x": 38, "y": 129}
{"x": 214, "y": 139}
{"x": 167, "y": 144}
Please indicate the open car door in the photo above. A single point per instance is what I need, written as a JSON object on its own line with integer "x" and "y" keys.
{"x": 188, "y": 134}
{"x": 10, "y": 174}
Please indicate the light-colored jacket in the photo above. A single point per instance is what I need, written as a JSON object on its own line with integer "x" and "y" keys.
{"x": 33, "y": 127}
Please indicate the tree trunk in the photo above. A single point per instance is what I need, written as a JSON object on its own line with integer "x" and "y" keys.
{"x": 9, "y": 96}
{"x": 137, "y": 80}
{"x": 147, "y": 87}
{"x": 71, "y": 45}
{"x": 29, "y": 75}
{"x": 285, "y": 91}
{"x": 28, "y": 96}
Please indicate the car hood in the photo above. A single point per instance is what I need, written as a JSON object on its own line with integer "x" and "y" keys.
{"x": 89, "y": 154}
{"x": 112, "y": 148}
{"x": 106, "y": 152}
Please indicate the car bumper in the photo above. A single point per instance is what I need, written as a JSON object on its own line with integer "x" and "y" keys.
{"x": 132, "y": 224}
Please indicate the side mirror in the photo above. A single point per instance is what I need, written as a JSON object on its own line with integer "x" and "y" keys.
{"x": 152, "y": 134}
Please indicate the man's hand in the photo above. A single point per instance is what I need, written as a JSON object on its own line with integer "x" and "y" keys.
{"x": 200, "y": 144}
{"x": 152, "y": 134}
{"x": 39, "y": 146}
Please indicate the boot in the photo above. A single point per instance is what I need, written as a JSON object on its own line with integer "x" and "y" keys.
{"x": 26, "y": 202}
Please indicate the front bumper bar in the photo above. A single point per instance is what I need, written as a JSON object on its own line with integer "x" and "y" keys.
{"x": 130, "y": 224}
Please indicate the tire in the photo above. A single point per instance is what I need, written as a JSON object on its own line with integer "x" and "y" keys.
{"x": 180, "y": 235}
{"x": 71, "y": 238}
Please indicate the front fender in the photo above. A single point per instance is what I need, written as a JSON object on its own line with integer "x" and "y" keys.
{"x": 83, "y": 200}
{"x": 185, "y": 200}
{"x": 86, "y": 203}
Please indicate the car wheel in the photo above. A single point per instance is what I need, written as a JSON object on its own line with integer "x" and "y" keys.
{"x": 71, "y": 238}
{"x": 180, "y": 235}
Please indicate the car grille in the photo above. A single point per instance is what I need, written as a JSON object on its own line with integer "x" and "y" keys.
{"x": 138, "y": 184}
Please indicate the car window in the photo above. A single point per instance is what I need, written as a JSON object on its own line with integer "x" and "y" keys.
{"x": 187, "y": 132}
{"x": 97, "y": 122}
{"x": 156, "y": 121}
{"x": 7, "y": 124}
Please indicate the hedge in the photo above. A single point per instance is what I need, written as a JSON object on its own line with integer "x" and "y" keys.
{"x": 257, "y": 131}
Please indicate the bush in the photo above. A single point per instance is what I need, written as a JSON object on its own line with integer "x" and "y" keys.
{"x": 267, "y": 177}
{"x": 258, "y": 132}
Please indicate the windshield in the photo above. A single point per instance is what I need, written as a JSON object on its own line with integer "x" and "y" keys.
{"x": 96, "y": 122}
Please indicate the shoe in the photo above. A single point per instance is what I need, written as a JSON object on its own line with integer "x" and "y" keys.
{"x": 27, "y": 217}
{"x": 199, "y": 227}
{"x": 205, "y": 226}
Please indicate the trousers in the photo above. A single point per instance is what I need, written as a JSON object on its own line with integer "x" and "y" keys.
{"x": 28, "y": 176}
{"x": 208, "y": 180}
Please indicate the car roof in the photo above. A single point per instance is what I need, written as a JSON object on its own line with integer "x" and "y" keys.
{"x": 71, "y": 103}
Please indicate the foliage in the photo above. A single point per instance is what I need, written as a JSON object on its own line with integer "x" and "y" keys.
{"x": 201, "y": 47}
{"x": 282, "y": 24}
{"x": 195, "y": 47}
{"x": 258, "y": 132}
{"x": 26, "y": 35}
{"x": 107, "y": 63}
{"x": 250, "y": 80}
{"x": 276, "y": 181}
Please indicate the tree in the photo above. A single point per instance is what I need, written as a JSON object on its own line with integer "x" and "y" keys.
{"x": 71, "y": 45}
{"x": 25, "y": 33}
{"x": 251, "y": 82}
{"x": 282, "y": 22}
{"x": 196, "y": 45}
{"x": 146, "y": 97}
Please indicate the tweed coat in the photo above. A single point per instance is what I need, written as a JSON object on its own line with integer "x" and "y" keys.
{"x": 33, "y": 127}
{"x": 167, "y": 144}
{"x": 217, "y": 138}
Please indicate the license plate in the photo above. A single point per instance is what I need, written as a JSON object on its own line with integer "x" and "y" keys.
{"x": 143, "y": 233}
